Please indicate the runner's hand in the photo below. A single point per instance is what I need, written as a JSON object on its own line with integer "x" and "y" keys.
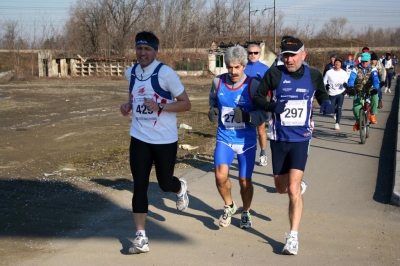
{"x": 279, "y": 107}
{"x": 351, "y": 91}
{"x": 327, "y": 87}
{"x": 213, "y": 114}
{"x": 326, "y": 107}
{"x": 374, "y": 91}
{"x": 345, "y": 85}
{"x": 240, "y": 115}
{"x": 125, "y": 108}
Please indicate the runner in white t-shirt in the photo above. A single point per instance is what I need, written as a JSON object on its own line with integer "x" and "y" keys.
{"x": 335, "y": 81}
{"x": 153, "y": 88}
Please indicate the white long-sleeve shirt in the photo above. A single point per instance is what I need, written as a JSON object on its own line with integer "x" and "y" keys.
{"x": 335, "y": 79}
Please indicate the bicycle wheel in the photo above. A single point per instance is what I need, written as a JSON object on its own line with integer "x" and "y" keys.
{"x": 368, "y": 122}
{"x": 363, "y": 126}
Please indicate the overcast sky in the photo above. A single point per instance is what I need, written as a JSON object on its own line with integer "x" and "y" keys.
{"x": 360, "y": 13}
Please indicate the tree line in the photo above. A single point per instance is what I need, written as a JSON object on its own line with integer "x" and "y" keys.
{"x": 107, "y": 27}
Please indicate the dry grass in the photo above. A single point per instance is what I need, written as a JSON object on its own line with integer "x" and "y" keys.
{"x": 112, "y": 162}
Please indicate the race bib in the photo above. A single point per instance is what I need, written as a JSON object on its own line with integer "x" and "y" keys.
{"x": 295, "y": 113}
{"x": 140, "y": 111}
{"x": 227, "y": 118}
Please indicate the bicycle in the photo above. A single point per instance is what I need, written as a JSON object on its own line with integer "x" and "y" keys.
{"x": 365, "y": 112}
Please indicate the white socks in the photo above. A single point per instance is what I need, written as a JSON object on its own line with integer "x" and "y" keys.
{"x": 141, "y": 232}
{"x": 294, "y": 233}
{"x": 183, "y": 191}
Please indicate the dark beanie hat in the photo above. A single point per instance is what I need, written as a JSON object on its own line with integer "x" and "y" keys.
{"x": 338, "y": 60}
{"x": 374, "y": 56}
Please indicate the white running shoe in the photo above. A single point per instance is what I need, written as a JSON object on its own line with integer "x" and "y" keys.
{"x": 182, "y": 202}
{"x": 140, "y": 245}
{"x": 337, "y": 127}
{"x": 245, "y": 221}
{"x": 263, "y": 160}
{"x": 225, "y": 219}
{"x": 390, "y": 91}
{"x": 303, "y": 187}
{"x": 386, "y": 89}
{"x": 292, "y": 245}
{"x": 334, "y": 117}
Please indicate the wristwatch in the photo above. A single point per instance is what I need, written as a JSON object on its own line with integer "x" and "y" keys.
{"x": 160, "y": 107}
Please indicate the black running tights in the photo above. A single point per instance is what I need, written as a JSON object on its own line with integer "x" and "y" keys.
{"x": 141, "y": 157}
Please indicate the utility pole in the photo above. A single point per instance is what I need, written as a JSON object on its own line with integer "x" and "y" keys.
{"x": 251, "y": 11}
{"x": 274, "y": 24}
{"x": 274, "y": 28}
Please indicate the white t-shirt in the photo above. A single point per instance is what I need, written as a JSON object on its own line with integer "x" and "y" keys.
{"x": 154, "y": 127}
{"x": 388, "y": 63}
{"x": 335, "y": 79}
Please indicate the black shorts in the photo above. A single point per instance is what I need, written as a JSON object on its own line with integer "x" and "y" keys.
{"x": 288, "y": 155}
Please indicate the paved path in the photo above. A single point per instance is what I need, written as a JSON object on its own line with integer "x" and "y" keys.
{"x": 346, "y": 218}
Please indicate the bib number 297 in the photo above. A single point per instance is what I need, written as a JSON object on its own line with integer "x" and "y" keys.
{"x": 293, "y": 112}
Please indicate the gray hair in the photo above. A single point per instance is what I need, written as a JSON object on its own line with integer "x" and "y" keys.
{"x": 236, "y": 54}
{"x": 253, "y": 45}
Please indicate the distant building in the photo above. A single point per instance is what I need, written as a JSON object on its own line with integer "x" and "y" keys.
{"x": 52, "y": 64}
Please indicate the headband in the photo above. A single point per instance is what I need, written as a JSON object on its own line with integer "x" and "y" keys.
{"x": 151, "y": 44}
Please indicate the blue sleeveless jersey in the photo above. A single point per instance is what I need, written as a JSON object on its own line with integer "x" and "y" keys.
{"x": 231, "y": 98}
{"x": 295, "y": 123}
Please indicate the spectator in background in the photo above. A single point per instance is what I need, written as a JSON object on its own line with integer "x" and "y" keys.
{"x": 396, "y": 62}
{"x": 349, "y": 64}
{"x": 330, "y": 65}
{"x": 382, "y": 76}
{"x": 388, "y": 64}
{"x": 364, "y": 50}
{"x": 256, "y": 69}
{"x": 382, "y": 57}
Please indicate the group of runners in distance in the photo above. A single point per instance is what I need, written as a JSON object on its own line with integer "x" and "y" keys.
{"x": 241, "y": 101}
{"x": 351, "y": 77}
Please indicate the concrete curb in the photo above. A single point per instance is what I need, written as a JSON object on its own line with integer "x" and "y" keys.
{"x": 395, "y": 198}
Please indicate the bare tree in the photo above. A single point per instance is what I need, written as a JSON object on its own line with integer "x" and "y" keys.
{"x": 334, "y": 29}
{"x": 123, "y": 16}
{"x": 10, "y": 35}
{"x": 226, "y": 18}
{"x": 87, "y": 26}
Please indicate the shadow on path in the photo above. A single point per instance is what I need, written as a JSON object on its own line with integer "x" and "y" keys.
{"x": 384, "y": 180}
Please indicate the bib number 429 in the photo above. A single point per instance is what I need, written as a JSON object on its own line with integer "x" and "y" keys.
{"x": 141, "y": 109}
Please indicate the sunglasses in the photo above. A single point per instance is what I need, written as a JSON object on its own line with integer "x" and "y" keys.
{"x": 250, "y": 53}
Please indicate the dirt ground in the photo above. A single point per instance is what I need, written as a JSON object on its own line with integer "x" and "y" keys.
{"x": 64, "y": 147}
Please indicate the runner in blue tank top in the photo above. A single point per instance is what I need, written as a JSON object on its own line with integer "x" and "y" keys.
{"x": 293, "y": 86}
{"x": 231, "y": 106}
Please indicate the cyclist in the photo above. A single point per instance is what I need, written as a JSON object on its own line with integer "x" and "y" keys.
{"x": 364, "y": 77}
{"x": 335, "y": 81}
